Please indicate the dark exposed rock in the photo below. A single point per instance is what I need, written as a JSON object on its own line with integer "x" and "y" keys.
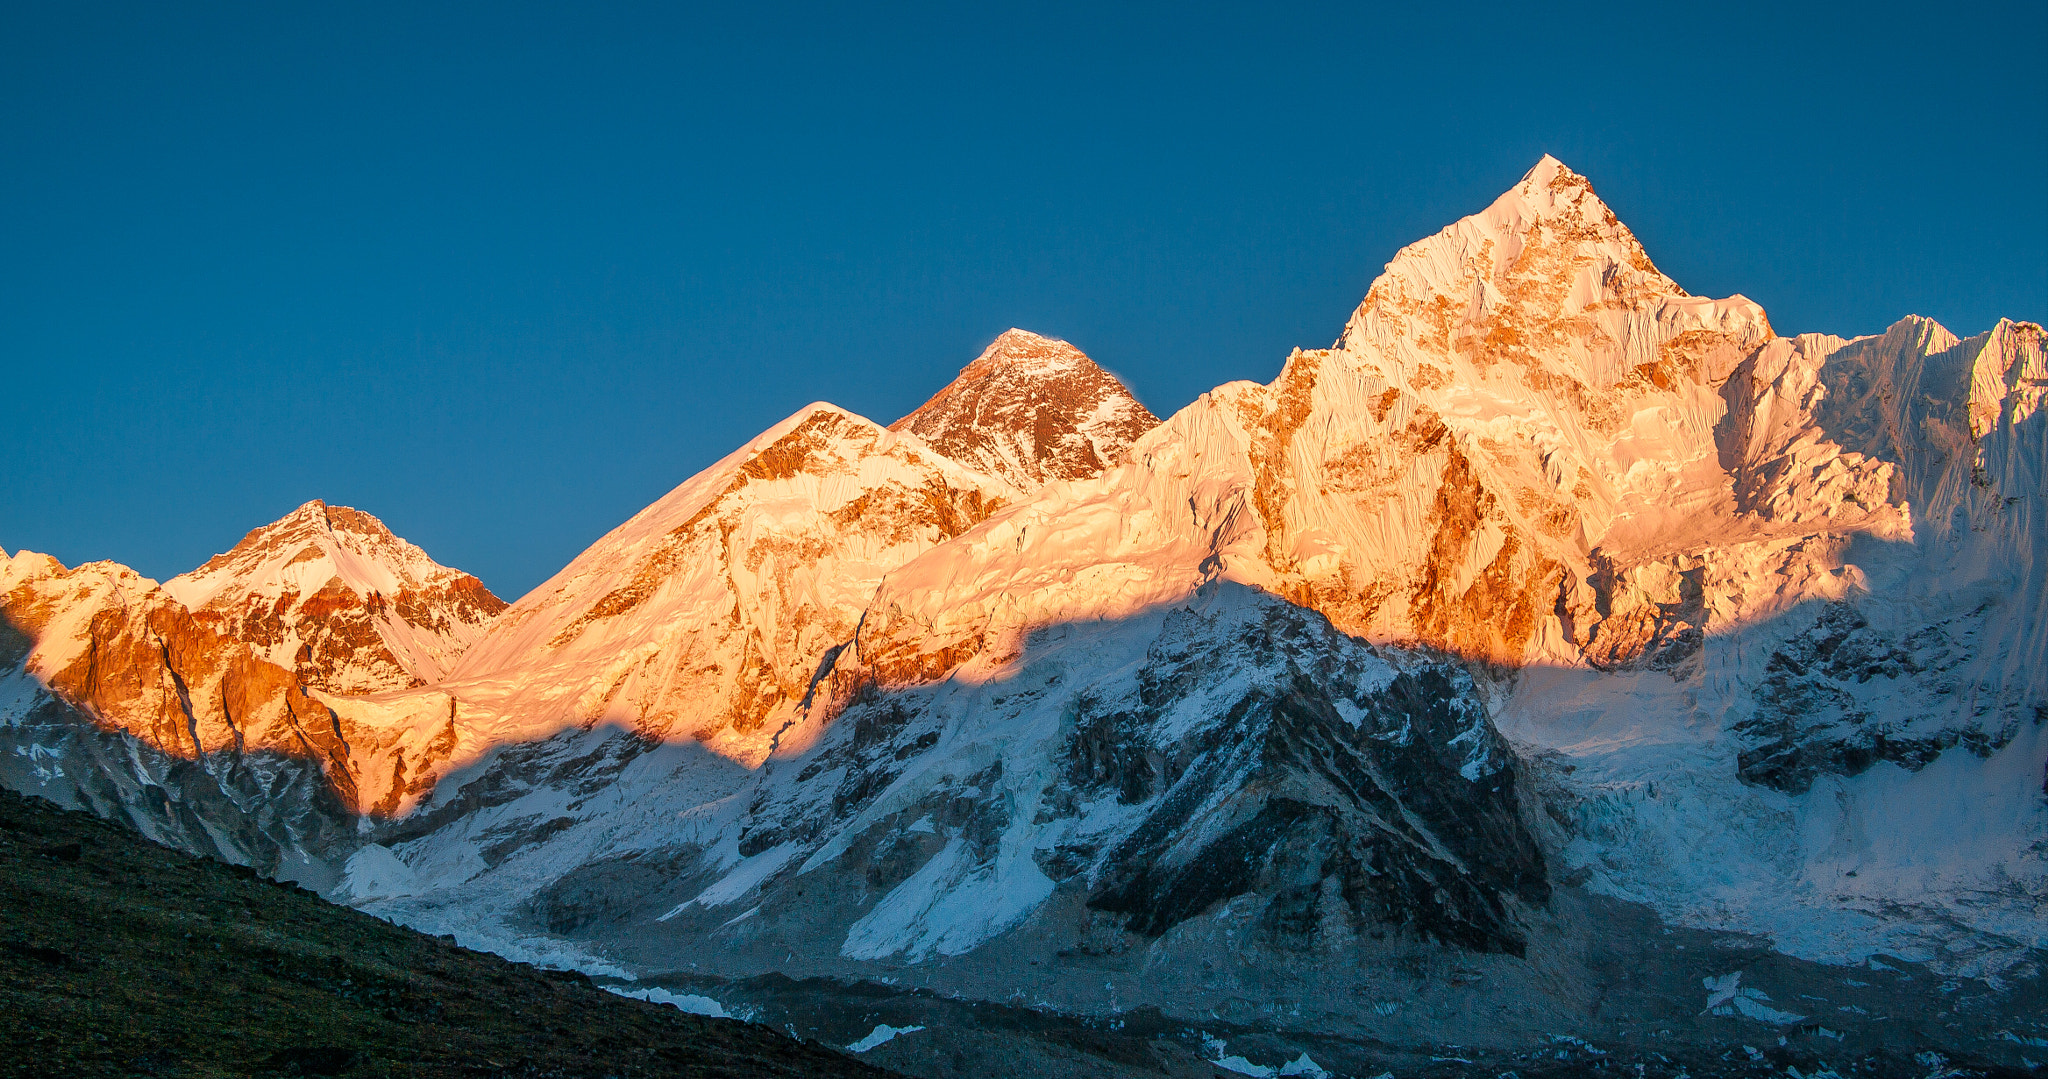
{"x": 1032, "y": 410}
{"x": 1318, "y": 799}
{"x": 1828, "y": 703}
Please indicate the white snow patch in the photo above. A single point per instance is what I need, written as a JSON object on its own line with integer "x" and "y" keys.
{"x": 1721, "y": 990}
{"x": 1749, "y": 1003}
{"x": 744, "y": 878}
{"x": 883, "y": 1032}
{"x": 1306, "y": 1067}
{"x": 377, "y": 872}
{"x": 948, "y": 906}
{"x": 688, "y": 1002}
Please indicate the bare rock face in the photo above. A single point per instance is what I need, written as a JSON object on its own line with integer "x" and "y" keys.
{"x": 116, "y": 645}
{"x": 122, "y": 700}
{"x": 330, "y": 594}
{"x": 206, "y": 711}
{"x": 1032, "y": 410}
{"x": 1127, "y": 787}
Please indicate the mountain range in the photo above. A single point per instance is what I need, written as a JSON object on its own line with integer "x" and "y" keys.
{"x": 1350, "y": 702}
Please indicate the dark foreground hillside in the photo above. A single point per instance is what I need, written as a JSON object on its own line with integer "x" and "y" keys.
{"x": 122, "y": 957}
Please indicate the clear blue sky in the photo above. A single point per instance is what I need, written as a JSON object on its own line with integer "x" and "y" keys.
{"x": 502, "y": 275}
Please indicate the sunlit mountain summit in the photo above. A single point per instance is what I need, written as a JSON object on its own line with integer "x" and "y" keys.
{"x": 1550, "y": 603}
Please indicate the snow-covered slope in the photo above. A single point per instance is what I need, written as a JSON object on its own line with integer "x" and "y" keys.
{"x": 1826, "y": 722}
{"x": 330, "y": 594}
{"x": 1514, "y": 393}
{"x": 1163, "y": 809}
{"x": 712, "y": 613}
{"x": 1032, "y": 410}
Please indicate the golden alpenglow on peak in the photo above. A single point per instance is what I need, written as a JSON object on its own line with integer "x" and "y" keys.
{"x": 1032, "y": 410}
{"x": 1559, "y": 651}
{"x": 329, "y": 592}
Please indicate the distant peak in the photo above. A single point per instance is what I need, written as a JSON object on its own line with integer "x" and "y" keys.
{"x": 1031, "y": 409}
{"x": 326, "y": 516}
{"x": 1015, "y": 355}
{"x": 1551, "y": 190}
{"x": 1550, "y": 170}
{"x": 1025, "y": 352}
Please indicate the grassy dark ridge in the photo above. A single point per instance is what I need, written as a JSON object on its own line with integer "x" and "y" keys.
{"x": 119, "y": 957}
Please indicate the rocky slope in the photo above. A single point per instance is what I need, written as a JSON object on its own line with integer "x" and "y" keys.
{"x": 203, "y": 711}
{"x": 119, "y": 957}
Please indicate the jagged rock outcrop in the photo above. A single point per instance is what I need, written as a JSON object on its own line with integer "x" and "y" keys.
{"x": 1032, "y": 410}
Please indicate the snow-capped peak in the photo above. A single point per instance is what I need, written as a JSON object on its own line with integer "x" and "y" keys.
{"x": 1761, "y": 616}
{"x": 356, "y": 544}
{"x": 1032, "y": 410}
{"x": 330, "y": 593}
{"x": 1551, "y": 191}
{"x": 1547, "y": 268}
{"x": 1021, "y": 351}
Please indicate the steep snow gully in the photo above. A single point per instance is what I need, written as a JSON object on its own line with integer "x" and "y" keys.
{"x": 1347, "y": 702}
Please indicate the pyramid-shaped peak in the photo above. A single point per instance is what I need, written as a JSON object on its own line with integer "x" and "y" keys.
{"x": 330, "y": 593}
{"x": 1549, "y": 171}
{"x": 321, "y": 537}
{"x": 1024, "y": 352}
{"x": 313, "y": 520}
{"x": 1549, "y": 223}
{"x": 1032, "y": 409}
{"x": 1551, "y": 191}
{"x": 331, "y": 517}
{"x": 1545, "y": 286}
{"x": 311, "y": 513}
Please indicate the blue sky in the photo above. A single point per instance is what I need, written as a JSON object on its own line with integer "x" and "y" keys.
{"x": 503, "y": 274}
